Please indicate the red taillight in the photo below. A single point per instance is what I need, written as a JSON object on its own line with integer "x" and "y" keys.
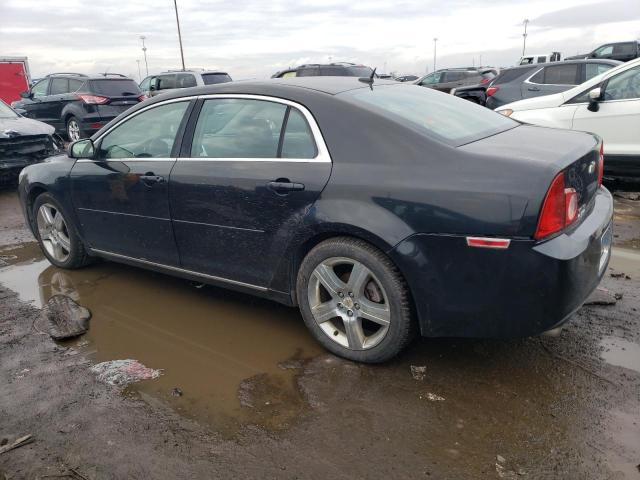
{"x": 93, "y": 99}
{"x": 492, "y": 90}
{"x": 601, "y": 164}
{"x": 559, "y": 209}
{"x": 142, "y": 98}
{"x": 484, "y": 80}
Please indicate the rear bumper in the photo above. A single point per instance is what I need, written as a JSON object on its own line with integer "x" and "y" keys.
{"x": 527, "y": 289}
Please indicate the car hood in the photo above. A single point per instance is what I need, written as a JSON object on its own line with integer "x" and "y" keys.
{"x": 19, "y": 126}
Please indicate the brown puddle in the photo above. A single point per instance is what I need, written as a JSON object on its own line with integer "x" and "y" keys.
{"x": 216, "y": 346}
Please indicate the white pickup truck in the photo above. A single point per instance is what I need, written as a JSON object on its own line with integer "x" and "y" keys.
{"x": 540, "y": 58}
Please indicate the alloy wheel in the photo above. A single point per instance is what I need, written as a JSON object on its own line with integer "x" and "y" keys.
{"x": 349, "y": 303}
{"x": 73, "y": 130}
{"x": 53, "y": 232}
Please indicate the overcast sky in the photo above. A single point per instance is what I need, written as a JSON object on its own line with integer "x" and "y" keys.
{"x": 255, "y": 38}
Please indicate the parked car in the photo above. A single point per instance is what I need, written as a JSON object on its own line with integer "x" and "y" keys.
{"x": 608, "y": 105}
{"x": 338, "y": 69}
{"x": 447, "y": 79}
{"x": 285, "y": 189}
{"x": 540, "y": 58}
{"x": 477, "y": 93}
{"x": 622, "y": 51}
{"x": 407, "y": 78}
{"x": 171, "y": 80}
{"x": 78, "y": 105}
{"x": 23, "y": 142}
{"x": 517, "y": 83}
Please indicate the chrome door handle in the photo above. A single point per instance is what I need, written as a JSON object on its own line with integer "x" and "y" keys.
{"x": 284, "y": 187}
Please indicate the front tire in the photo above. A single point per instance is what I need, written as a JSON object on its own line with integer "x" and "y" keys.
{"x": 56, "y": 234}
{"x": 354, "y": 300}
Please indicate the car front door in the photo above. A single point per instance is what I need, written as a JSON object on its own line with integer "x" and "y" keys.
{"x": 617, "y": 120}
{"x": 121, "y": 196}
{"x": 34, "y": 106}
{"x": 243, "y": 184}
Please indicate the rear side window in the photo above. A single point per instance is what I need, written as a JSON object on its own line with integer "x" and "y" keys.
{"x": 628, "y": 48}
{"x": 238, "y": 128}
{"x": 185, "y": 80}
{"x": 542, "y": 59}
{"x": 358, "y": 71}
{"x": 442, "y": 117}
{"x": 213, "y": 78}
{"x": 333, "y": 72}
{"x": 74, "y": 85}
{"x": 308, "y": 72}
{"x": 561, "y": 74}
{"x": 59, "y": 86}
{"x": 115, "y": 88}
{"x": 298, "y": 140}
{"x": 507, "y": 76}
{"x": 453, "y": 76}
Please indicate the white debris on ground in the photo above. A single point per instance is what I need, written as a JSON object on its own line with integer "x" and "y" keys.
{"x": 123, "y": 372}
{"x": 418, "y": 373}
{"x": 434, "y": 398}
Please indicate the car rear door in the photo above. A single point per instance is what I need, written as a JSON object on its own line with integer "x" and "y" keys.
{"x": 245, "y": 179}
{"x": 121, "y": 196}
{"x": 617, "y": 120}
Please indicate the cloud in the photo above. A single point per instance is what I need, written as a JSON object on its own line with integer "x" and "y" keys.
{"x": 255, "y": 38}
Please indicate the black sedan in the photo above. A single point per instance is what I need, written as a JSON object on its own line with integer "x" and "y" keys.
{"x": 381, "y": 210}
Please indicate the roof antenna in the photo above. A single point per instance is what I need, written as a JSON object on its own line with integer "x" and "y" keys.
{"x": 369, "y": 79}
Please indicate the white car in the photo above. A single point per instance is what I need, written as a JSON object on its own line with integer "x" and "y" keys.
{"x": 607, "y": 105}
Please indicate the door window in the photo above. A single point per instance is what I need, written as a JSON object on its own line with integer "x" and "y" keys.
{"x": 74, "y": 85}
{"x": 561, "y": 74}
{"x": 150, "y": 134}
{"x": 298, "y": 140}
{"x": 238, "y": 128}
{"x": 40, "y": 88}
{"x": 603, "y": 51}
{"x": 59, "y": 86}
{"x": 166, "y": 81}
{"x": 538, "y": 77}
{"x": 453, "y": 76}
{"x": 628, "y": 48}
{"x": 624, "y": 86}
{"x": 144, "y": 85}
{"x": 186, "y": 80}
{"x": 593, "y": 69}
{"x": 308, "y": 72}
{"x": 542, "y": 59}
{"x": 431, "y": 79}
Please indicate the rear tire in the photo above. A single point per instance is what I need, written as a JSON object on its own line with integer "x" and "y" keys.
{"x": 354, "y": 300}
{"x": 74, "y": 132}
{"x": 57, "y": 235}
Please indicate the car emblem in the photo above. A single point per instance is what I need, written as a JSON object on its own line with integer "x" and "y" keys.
{"x": 592, "y": 167}
{"x": 11, "y": 133}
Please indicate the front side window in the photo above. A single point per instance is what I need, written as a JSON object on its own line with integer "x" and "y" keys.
{"x": 593, "y": 69}
{"x": 431, "y": 79}
{"x": 603, "y": 51}
{"x": 308, "y": 72}
{"x": 624, "y": 86}
{"x": 437, "y": 116}
{"x": 150, "y": 134}
{"x": 238, "y": 128}
{"x": 542, "y": 59}
{"x": 40, "y": 88}
{"x": 145, "y": 84}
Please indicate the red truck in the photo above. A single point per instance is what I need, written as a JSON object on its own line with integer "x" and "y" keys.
{"x": 14, "y": 78}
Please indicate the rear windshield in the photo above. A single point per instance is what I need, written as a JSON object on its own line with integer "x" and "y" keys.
{"x": 212, "y": 78}
{"x": 441, "y": 116}
{"x": 510, "y": 75}
{"x": 115, "y": 87}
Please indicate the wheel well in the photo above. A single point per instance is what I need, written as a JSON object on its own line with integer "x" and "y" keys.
{"x": 310, "y": 243}
{"x": 34, "y": 193}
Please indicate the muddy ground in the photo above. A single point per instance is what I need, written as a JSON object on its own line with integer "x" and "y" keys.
{"x": 246, "y": 393}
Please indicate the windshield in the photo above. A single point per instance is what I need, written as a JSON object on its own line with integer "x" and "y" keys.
{"x": 6, "y": 111}
{"x": 213, "y": 78}
{"x": 115, "y": 88}
{"x": 444, "y": 117}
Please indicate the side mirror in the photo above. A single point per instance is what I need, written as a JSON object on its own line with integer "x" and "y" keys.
{"x": 595, "y": 96}
{"x": 26, "y": 94}
{"x": 82, "y": 149}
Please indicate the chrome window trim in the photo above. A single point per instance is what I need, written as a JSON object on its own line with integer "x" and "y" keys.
{"x": 322, "y": 155}
{"x": 178, "y": 269}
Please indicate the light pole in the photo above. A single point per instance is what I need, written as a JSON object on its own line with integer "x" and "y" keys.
{"x": 139, "y": 74}
{"x": 144, "y": 50}
{"x": 179, "y": 34}
{"x": 435, "y": 43}
{"x": 524, "y": 36}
